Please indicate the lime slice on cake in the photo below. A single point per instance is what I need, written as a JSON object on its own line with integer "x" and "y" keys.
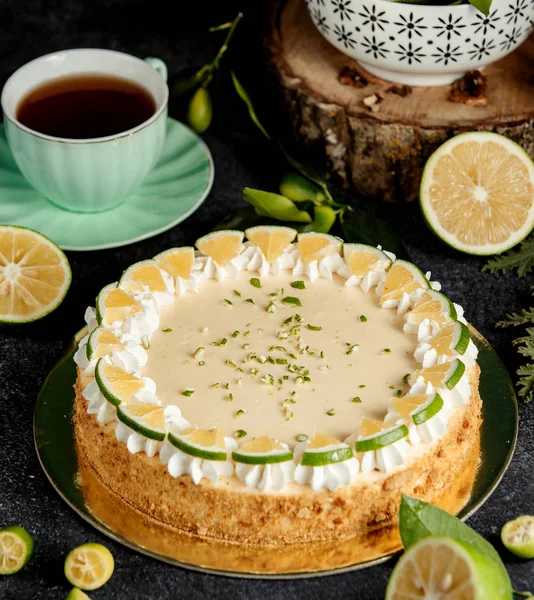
{"x": 114, "y": 304}
{"x": 477, "y": 193}
{"x": 177, "y": 262}
{"x": 102, "y": 342}
{"x": 262, "y": 451}
{"x": 207, "y": 444}
{"x": 375, "y": 434}
{"x": 434, "y": 306}
{"x": 116, "y": 385}
{"x": 452, "y": 339}
{"x": 143, "y": 276}
{"x": 446, "y": 374}
{"x": 362, "y": 259}
{"x": 16, "y": 548}
{"x": 89, "y": 566}
{"x": 221, "y": 246}
{"x": 145, "y": 419}
{"x": 518, "y": 536}
{"x": 437, "y": 568}
{"x": 272, "y": 240}
{"x": 403, "y": 277}
{"x": 34, "y": 275}
{"x": 418, "y": 408}
{"x": 315, "y": 246}
{"x": 325, "y": 450}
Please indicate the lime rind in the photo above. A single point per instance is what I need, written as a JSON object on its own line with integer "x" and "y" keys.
{"x": 100, "y": 309}
{"x": 463, "y": 339}
{"x": 430, "y": 409}
{"x": 77, "y": 594}
{"x": 139, "y": 426}
{"x": 197, "y": 451}
{"x": 381, "y": 439}
{"x": 262, "y": 458}
{"x": 22, "y": 538}
{"x": 456, "y": 373}
{"x": 322, "y": 457}
{"x": 101, "y": 383}
{"x": 447, "y": 306}
{"x": 91, "y": 342}
{"x": 518, "y": 536}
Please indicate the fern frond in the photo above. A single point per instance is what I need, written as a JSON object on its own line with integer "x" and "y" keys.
{"x": 526, "y": 382}
{"x": 520, "y": 259}
{"x": 524, "y": 317}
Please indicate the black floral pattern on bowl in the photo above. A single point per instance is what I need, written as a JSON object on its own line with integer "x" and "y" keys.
{"x": 414, "y": 37}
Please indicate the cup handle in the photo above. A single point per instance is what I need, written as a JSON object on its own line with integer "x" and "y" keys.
{"x": 158, "y": 65}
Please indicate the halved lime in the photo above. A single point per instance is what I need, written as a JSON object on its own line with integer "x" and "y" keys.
{"x": 116, "y": 385}
{"x": 34, "y": 275}
{"x": 102, "y": 342}
{"x": 16, "y": 548}
{"x": 434, "y": 306}
{"x": 77, "y": 594}
{"x": 362, "y": 259}
{"x": 142, "y": 276}
{"x": 418, "y": 408}
{"x": 453, "y": 338}
{"x": 446, "y": 374}
{"x": 262, "y": 451}
{"x": 445, "y": 569}
{"x": 385, "y": 436}
{"x": 89, "y": 566}
{"x": 477, "y": 193}
{"x": 518, "y": 536}
{"x": 114, "y": 304}
{"x": 207, "y": 444}
{"x": 145, "y": 419}
{"x": 403, "y": 277}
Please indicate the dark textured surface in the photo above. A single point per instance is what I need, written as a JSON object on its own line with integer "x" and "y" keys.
{"x": 28, "y": 353}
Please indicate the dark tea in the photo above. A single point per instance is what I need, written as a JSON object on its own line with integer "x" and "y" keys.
{"x": 86, "y": 106}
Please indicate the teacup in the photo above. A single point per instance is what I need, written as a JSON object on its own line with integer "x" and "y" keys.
{"x": 87, "y": 175}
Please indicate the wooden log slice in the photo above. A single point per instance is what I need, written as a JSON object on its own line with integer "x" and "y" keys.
{"x": 380, "y": 150}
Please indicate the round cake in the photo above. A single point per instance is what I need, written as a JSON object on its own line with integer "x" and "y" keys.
{"x": 278, "y": 390}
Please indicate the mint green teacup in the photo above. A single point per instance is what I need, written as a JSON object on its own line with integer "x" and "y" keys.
{"x": 87, "y": 175}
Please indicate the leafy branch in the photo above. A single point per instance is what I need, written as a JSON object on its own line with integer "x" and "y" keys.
{"x": 305, "y": 201}
{"x": 520, "y": 259}
{"x": 525, "y": 347}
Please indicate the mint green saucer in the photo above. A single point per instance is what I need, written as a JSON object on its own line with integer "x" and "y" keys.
{"x": 179, "y": 183}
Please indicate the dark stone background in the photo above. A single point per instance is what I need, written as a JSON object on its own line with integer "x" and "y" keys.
{"x": 176, "y": 32}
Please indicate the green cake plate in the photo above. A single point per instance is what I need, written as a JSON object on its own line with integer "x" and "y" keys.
{"x": 54, "y": 439}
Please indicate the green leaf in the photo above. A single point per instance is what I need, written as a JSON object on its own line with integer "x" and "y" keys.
{"x": 243, "y": 94}
{"x": 275, "y": 206}
{"x": 482, "y": 5}
{"x": 418, "y": 520}
{"x": 369, "y": 229}
{"x": 521, "y": 259}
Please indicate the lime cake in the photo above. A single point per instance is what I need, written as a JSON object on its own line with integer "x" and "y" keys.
{"x": 282, "y": 389}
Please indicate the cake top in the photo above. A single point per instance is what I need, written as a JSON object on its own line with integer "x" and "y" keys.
{"x": 329, "y": 353}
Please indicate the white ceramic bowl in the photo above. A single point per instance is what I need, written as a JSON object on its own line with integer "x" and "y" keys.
{"x": 421, "y": 44}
